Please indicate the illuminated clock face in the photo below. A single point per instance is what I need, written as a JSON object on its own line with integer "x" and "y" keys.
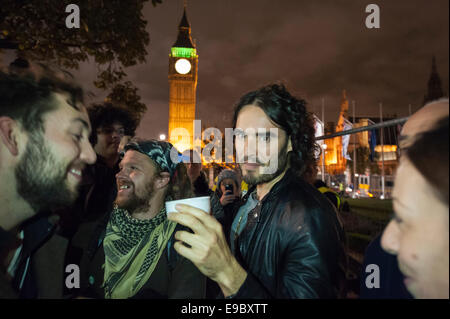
{"x": 183, "y": 66}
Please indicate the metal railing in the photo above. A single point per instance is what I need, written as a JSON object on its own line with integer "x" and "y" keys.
{"x": 364, "y": 128}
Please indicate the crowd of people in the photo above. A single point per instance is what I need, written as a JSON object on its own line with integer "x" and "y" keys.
{"x": 79, "y": 188}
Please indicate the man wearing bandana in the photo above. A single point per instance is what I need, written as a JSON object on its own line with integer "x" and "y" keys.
{"x": 134, "y": 257}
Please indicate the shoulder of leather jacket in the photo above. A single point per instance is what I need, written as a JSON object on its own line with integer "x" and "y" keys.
{"x": 302, "y": 205}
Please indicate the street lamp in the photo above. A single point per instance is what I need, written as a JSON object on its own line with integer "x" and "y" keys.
{"x": 162, "y": 137}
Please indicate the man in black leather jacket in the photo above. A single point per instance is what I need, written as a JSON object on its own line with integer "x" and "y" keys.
{"x": 285, "y": 240}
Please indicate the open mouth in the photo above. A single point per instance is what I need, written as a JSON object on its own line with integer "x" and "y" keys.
{"x": 123, "y": 186}
{"x": 77, "y": 173}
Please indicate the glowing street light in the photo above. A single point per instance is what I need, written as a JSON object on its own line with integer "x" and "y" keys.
{"x": 162, "y": 137}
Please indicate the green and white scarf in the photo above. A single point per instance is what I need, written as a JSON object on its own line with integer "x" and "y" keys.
{"x": 132, "y": 250}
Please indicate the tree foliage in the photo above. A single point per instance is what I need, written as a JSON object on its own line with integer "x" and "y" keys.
{"x": 112, "y": 33}
{"x": 125, "y": 94}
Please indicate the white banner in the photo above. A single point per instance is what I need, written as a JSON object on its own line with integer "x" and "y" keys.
{"x": 346, "y": 139}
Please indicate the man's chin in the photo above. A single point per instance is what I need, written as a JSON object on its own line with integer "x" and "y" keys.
{"x": 256, "y": 178}
{"x": 120, "y": 204}
{"x": 126, "y": 204}
{"x": 71, "y": 193}
{"x": 59, "y": 199}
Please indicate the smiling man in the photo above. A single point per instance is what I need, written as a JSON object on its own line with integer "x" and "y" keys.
{"x": 137, "y": 247}
{"x": 110, "y": 124}
{"x": 44, "y": 130}
{"x": 285, "y": 238}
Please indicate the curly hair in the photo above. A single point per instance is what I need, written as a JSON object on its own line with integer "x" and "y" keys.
{"x": 291, "y": 115}
{"x": 106, "y": 114}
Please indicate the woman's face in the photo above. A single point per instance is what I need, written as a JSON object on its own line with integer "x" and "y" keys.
{"x": 419, "y": 234}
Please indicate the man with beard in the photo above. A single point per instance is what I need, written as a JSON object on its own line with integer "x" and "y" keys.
{"x": 135, "y": 257}
{"x": 44, "y": 130}
{"x": 110, "y": 123}
{"x": 285, "y": 239}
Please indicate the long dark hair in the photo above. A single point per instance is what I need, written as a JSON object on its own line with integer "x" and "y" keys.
{"x": 291, "y": 115}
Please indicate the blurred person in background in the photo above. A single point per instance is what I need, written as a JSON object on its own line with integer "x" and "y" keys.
{"x": 198, "y": 178}
{"x": 124, "y": 141}
{"x": 199, "y": 181}
{"x": 228, "y": 190}
{"x": 332, "y": 196}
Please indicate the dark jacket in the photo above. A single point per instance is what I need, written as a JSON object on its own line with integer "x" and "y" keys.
{"x": 391, "y": 279}
{"x": 291, "y": 246}
{"x": 8, "y": 242}
{"x": 40, "y": 273}
{"x": 48, "y": 247}
{"x": 174, "y": 276}
{"x": 97, "y": 192}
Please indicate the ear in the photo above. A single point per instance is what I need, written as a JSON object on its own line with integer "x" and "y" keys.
{"x": 163, "y": 180}
{"x": 8, "y": 134}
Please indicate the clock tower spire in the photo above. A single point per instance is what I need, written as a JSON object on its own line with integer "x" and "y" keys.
{"x": 183, "y": 67}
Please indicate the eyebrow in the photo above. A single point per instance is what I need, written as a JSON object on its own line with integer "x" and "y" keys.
{"x": 72, "y": 103}
{"x": 268, "y": 133}
{"x": 85, "y": 124}
{"x": 131, "y": 162}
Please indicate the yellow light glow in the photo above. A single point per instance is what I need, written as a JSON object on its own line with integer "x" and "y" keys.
{"x": 386, "y": 148}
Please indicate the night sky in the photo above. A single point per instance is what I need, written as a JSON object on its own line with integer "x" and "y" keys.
{"x": 317, "y": 48}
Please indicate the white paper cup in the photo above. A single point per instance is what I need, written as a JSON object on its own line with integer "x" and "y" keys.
{"x": 203, "y": 203}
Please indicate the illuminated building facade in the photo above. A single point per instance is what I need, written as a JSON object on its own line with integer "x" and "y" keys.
{"x": 334, "y": 160}
{"x": 183, "y": 73}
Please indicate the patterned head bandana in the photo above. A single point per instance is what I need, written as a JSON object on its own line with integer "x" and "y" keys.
{"x": 164, "y": 154}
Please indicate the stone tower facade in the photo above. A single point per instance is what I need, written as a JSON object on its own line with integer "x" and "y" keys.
{"x": 183, "y": 74}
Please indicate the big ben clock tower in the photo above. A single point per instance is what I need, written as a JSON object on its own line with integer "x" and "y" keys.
{"x": 183, "y": 67}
